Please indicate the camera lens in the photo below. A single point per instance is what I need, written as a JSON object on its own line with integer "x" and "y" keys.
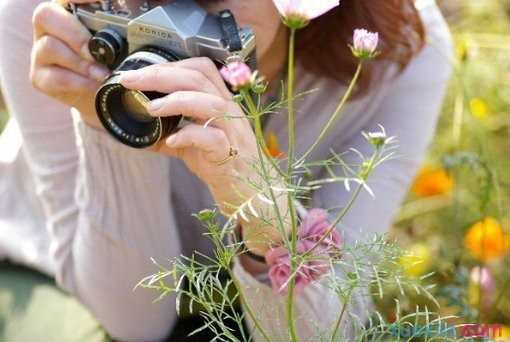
{"x": 135, "y": 103}
{"x": 123, "y": 111}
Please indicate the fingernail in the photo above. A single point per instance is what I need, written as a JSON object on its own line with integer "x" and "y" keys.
{"x": 156, "y": 104}
{"x": 170, "y": 141}
{"x": 98, "y": 73}
{"x": 85, "y": 53}
{"x": 130, "y": 76}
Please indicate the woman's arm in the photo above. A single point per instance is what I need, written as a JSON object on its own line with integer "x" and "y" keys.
{"x": 48, "y": 154}
{"x": 121, "y": 217}
{"x": 125, "y": 220}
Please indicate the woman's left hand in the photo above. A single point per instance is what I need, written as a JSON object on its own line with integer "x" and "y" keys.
{"x": 197, "y": 91}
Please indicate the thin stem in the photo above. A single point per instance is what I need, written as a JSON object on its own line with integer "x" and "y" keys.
{"x": 260, "y": 138}
{"x": 339, "y": 320}
{"x": 290, "y": 101}
{"x": 458, "y": 119}
{"x": 500, "y": 296}
{"x": 247, "y": 306}
{"x": 336, "y": 115}
{"x": 290, "y": 164}
{"x": 346, "y": 209}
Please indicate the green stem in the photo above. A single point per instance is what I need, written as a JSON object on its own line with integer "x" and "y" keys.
{"x": 339, "y": 320}
{"x": 501, "y": 294}
{"x": 290, "y": 163}
{"x": 335, "y": 116}
{"x": 260, "y": 138}
{"x": 290, "y": 101}
{"x": 247, "y": 306}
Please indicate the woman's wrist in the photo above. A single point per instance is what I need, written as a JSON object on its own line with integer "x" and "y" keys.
{"x": 260, "y": 224}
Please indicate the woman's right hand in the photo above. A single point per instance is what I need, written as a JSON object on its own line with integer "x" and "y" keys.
{"x": 62, "y": 66}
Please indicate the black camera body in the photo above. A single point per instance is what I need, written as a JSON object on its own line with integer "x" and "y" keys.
{"x": 129, "y": 35}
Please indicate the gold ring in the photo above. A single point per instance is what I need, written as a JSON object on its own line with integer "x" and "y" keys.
{"x": 232, "y": 153}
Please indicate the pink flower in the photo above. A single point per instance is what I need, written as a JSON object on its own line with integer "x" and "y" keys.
{"x": 237, "y": 74}
{"x": 482, "y": 279}
{"x": 365, "y": 44}
{"x": 313, "y": 227}
{"x": 297, "y": 13}
{"x": 280, "y": 271}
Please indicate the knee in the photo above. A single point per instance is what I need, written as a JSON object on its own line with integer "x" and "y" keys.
{"x": 151, "y": 325}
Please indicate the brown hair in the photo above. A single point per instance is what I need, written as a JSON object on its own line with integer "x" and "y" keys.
{"x": 323, "y": 45}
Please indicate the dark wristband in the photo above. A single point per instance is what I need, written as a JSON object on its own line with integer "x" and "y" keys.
{"x": 246, "y": 251}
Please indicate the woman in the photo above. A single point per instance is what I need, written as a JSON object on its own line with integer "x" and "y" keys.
{"x": 133, "y": 205}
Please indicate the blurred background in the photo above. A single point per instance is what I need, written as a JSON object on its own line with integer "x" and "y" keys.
{"x": 455, "y": 222}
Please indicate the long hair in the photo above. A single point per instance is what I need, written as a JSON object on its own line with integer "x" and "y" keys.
{"x": 322, "y": 47}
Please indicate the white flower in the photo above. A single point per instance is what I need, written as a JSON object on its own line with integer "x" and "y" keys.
{"x": 297, "y": 13}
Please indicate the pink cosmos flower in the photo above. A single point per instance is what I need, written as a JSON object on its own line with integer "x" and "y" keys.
{"x": 297, "y": 13}
{"x": 280, "y": 271}
{"x": 313, "y": 227}
{"x": 365, "y": 43}
{"x": 237, "y": 74}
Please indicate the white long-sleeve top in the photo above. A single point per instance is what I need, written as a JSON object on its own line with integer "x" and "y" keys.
{"x": 82, "y": 207}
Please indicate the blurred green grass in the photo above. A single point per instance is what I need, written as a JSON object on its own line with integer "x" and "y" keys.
{"x": 474, "y": 134}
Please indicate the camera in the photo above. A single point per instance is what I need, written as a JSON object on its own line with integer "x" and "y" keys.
{"x": 132, "y": 34}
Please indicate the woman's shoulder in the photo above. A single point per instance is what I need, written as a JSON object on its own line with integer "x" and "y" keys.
{"x": 433, "y": 64}
{"x": 436, "y": 28}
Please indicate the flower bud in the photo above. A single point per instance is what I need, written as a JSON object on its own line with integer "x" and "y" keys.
{"x": 365, "y": 44}
{"x": 378, "y": 139}
{"x": 237, "y": 98}
{"x": 237, "y": 74}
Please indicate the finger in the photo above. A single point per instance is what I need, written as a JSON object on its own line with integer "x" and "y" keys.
{"x": 60, "y": 83}
{"x": 166, "y": 78}
{"x": 207, "y": 67}
{"x": 65, "y": 2}
{"x": 196, "y": 105}
{"x": 52, "y": 19}
{"x": 210, "y": 140}
{"x": 49, "y": 50}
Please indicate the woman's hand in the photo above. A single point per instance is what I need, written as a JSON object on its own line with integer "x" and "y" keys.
{"x": 197, "y": 91}
{"x": 62, "y": 66}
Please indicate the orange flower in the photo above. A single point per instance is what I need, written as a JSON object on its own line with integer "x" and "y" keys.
{"x": 273, "y": 146}
{"x": 502, "y": 334}
{"x": 432, "y": 181}
{"x": 486, "y": 240}
{"x": 505, "y": 335}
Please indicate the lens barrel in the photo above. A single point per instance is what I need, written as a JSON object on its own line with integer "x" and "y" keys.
{"x": 123, "y": 111}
